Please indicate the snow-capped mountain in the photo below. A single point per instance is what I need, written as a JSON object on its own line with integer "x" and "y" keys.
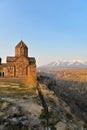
{"x": 66, "y": 64}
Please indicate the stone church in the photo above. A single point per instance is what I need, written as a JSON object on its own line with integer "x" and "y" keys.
{"x": 20, "y": 65}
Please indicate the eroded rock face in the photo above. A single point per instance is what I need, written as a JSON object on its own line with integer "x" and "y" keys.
{"x": 25, "y": 112}
{"x": 20, "y": 114}
{"x": 12, "y": 117}
{"x": 72, "y": 103}
{"x": 60, "y": 126}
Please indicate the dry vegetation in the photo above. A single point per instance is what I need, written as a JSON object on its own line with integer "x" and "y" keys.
{"x": 66, "y": 100}
{"x": 15, "y": 89}
{"x": 71, "y": 74}
{"x": 71, "y": 87}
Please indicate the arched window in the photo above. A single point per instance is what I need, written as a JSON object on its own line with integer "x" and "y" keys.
{"x": 3, "y": 74}
{"x": 27, "y": 70}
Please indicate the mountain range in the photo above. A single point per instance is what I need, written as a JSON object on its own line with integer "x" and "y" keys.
{"x": 65, "y": 64}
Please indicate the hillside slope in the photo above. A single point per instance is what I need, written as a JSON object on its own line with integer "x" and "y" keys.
{"x": 21, "y": 108}
{"x": 73, "y": 94}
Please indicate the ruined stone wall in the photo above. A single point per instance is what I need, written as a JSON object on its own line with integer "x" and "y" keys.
{"x": 26, "y": 52}
{"x": 21, "y": 51}
{"x": 17, "y": 52}
{"x": 32, "y": 70}
{"x": 21, "y": 65}
{"x": 9, "y": 71}
{"x": 20, "y": 68}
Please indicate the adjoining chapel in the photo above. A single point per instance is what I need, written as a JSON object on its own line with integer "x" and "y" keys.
{"x": 20, "y": 65}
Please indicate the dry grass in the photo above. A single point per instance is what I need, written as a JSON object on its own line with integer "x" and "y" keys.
{"x": 48, "y": 94}
{"x": 30, "y": 81}
{"x": 17, "y": 87}
{"x": 12, "y": 89}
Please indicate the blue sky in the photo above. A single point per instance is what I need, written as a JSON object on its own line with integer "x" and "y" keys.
{"x": 52, "y": 29}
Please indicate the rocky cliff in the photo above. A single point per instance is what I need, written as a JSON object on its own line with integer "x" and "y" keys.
{"x": 21, "y": 107}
